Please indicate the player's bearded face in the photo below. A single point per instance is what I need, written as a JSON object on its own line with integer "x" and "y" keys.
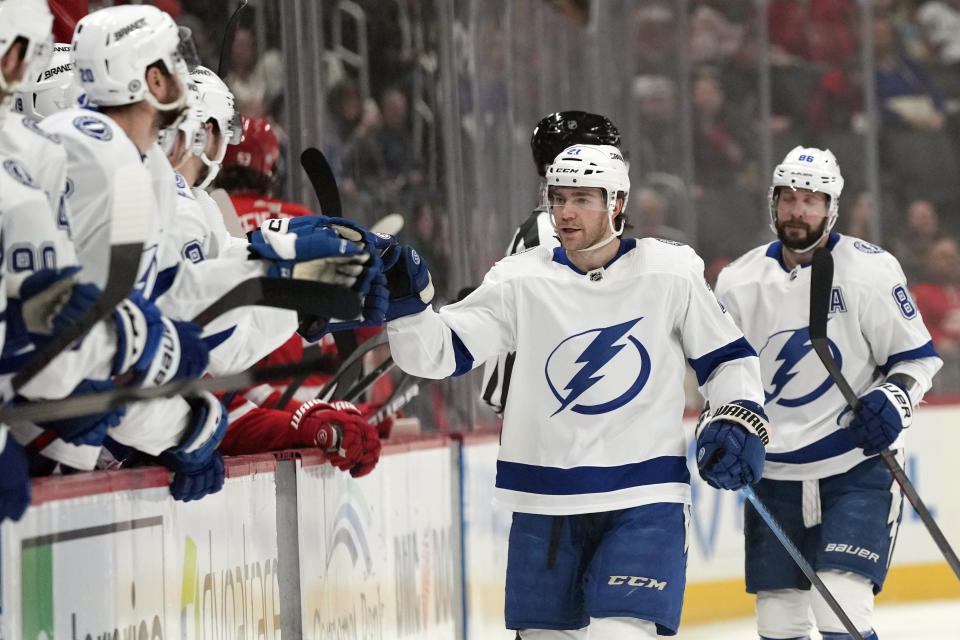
{"x": 173, "y": 91}
{"x": 801, "y": 217}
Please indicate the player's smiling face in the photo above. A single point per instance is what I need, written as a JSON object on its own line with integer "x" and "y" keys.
{"x": 580, "y": 216}
{"x": 801, "y": 216}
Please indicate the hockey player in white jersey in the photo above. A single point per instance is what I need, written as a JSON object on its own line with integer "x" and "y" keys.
{"x": 553, "y": 134}
{"x": 823, "y": 480}
{"x": 593, "y": 456}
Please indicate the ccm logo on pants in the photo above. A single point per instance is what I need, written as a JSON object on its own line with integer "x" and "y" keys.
{"x": 852, "y": 550}
{"x": 637, "y": 581}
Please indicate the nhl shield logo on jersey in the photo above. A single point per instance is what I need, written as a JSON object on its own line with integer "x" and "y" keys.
{"x": 598, "y": 370}
{"x": 787, "y": 380}
{"x": 93, "y": 127}
{"x": 19, "y": 173}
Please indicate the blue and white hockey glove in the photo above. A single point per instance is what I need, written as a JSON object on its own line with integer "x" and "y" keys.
{"x": 14, "y": 478}
{"x": 154, "y": 348}
{"x": 409, "y": 283}
{"x": 884, "y": 412}
{"x": 372, "y": 314}
{"x": 306, "y": 248}
{"x": 44, "y": 303}
{"x": 731, "y": 444}
{"x": 196, "y": 464}
{"x": 89, "y": 429}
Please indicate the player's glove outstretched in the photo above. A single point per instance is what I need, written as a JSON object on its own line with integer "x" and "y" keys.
{"x": 884, "y": 411}
{"x": 89, "y": 429}
{"x": 196, "y": 464}
{"x": 731, "y": 444}
{"x": 409, "y": 283}
{"x": 14, "y": 479}
{"x": 309, "y": 249}
{"x": 153, "y": 349}
{"x": 371, "y": 284}
{"x": 341, "y": 432}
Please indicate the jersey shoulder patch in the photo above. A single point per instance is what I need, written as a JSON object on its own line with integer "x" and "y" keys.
{"x": 19, "y": 173}
{"x": 866, "y": 247}
{"x": 33, "y": 126}
{"x": 94, "y": 127}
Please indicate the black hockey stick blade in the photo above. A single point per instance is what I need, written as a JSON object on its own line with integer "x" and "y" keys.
{"x": 302, "y": 296}
{"x": 801, "y": 562}
{"x": 339, "y": 380}
{"x": 821, "y": 285}
{"x": 104, "y": 401}
{"x": 318, "y": 170}
{"x": 227, "y": 43}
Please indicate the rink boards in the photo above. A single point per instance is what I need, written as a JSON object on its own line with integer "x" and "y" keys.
{"x": 292, "y": 545}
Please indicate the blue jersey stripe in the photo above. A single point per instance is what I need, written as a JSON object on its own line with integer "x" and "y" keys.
{"x": 552, "y": 481}
{"x": 705, "y": 364}
{"x": 462, "y": 355}
{"x": 925, "y": 351}
{"x": 832, "y": 445}
{"x": 164, "y": 282}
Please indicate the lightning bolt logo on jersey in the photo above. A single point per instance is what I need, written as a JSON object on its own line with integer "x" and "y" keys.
{"x": 796, "y": 381}
{"x": 609, "y": 359}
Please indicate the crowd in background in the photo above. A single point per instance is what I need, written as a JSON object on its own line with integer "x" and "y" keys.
{"x": 815, "y": 50}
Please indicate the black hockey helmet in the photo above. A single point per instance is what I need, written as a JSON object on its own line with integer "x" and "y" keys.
{"x": 563, "y": 129}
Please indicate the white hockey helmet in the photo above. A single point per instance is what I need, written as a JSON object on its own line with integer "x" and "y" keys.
{"x": 113, "y": 47}
{"x": 32, "y": 21}
{"x": 808, "y": 168}
{"x": 212, "y": 100}
{"x": 52, "y": 88}
{"x": 592, "y": 165}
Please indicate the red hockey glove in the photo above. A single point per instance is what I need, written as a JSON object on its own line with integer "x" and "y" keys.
{"x": 338, "y": 428}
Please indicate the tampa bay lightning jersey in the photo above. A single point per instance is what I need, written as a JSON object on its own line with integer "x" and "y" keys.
{"x": 874, "y": 330}
{"x": 593, "y": 419}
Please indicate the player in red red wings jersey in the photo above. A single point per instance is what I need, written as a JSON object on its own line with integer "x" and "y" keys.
{"x": 248, "y": 176}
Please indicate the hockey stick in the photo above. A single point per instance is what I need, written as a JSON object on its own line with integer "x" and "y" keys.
{"x": 324, "y": 185}
{"x": 228, "y": 33}
{"x": 406, "y": 390}
{"x": 128, "y": 229}
{"x": 107, "y": 400}
{"x": 281, "y": 293}
{"x": 805, "y": 567}
{"x": 342, "y": 377}
{"x": 821, "y": 285}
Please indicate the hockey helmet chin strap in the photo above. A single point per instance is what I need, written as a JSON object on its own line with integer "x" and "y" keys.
{"x": 614, "y": 233}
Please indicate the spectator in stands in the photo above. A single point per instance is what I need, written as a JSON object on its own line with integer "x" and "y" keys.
{"x": 821, "y": 31}
{"x": 394, "y": 141}
{"x": 721, "y": 153}
{"x": 652, "y": 212}
{"x": 906, "y": 94}
{"x": 657, "y": 136}
{"x": 860, "y": 221}
{"x": 713, "y": 37}
{"x": 256, "y": 80}
{"x": 654, "y": 29}
{"x": 429, "y": 238}
{"x": 352, "y": 151}
{"x": 938, "y": 296}
{"x": 837, "y": 102}
{"x": 940, "y": 22}
{"x": 922, "y": 228}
